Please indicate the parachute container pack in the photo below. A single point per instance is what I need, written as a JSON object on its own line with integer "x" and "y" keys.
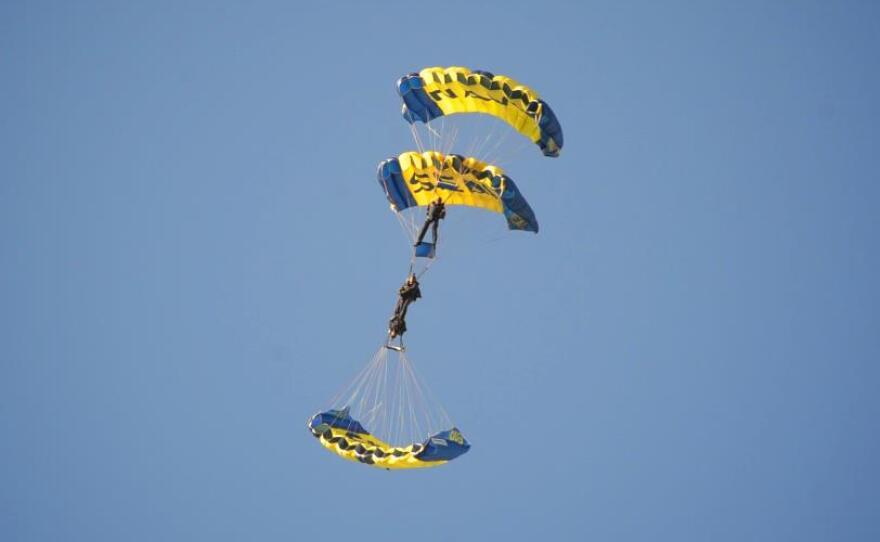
{"x": 408, "y": 428}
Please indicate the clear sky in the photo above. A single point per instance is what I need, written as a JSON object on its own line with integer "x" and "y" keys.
{"x": 196, "y": 255}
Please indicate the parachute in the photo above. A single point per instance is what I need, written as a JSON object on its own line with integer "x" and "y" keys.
{"x": 436, "y": 92}
{"x": 416, "y": 179}
{"x": 347, "y": 438}
{"x": 390, "y": 398}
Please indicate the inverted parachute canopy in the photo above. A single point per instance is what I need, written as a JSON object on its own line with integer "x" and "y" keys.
{"x": 435, "y": 92}
{"x": 409, "y": 428}
{"x": 416, "y": 179}
{"x": 347, "y": 438}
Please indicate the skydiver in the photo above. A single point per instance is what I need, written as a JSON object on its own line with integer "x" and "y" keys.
{"x": 397, "y": 327}
{"x": 436, "y": 212}
{"x": 407, "y": 294}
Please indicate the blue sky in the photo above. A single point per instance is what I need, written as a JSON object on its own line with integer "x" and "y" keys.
{"x": 196, "y": 255}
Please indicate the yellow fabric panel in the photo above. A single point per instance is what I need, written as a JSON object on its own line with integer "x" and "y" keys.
{"x": 452, "y": 95}
{"x": 388, "y": 461}
{"x": 430, "y": 175}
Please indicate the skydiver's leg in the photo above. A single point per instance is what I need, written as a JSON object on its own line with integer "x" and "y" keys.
{"x": 397, "y": 326}
{"x": 393, "y": 326}
{"x": 404, "y": 307}
{"x": 423, "y": 231}
{"x": 434, "y": 230}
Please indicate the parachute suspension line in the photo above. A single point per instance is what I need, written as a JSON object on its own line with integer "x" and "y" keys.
{"x": 443, "y": 134}
{"x": 492, "y": 152}
{"x": 364, "y": 406}
{"x": 504, "y": 151}
{"x": 408, "y": 390}
{"x": 440, "y": 145}
{"x": 397, "y": 431}
{"x": 402, "y": 410}
{"x": 415, "y": 133}
{"x": 476, "y": 142}
{"x": 427, "y": 266}
{"x": 373, "y": 415}
{"x": 385, "y": 426}
{"x": 444, "y": 146}
{"x": 409, "y": 224}
{"x": 435, "y": 135}
{"x": 391, "y": 402}
{"x": 408, "y": 229}
{"x": 371, "y": 409}
{"x": 375, "y": 419}
{"x": 405, "y": 429}
{"x": 354, "y": 384}
{"x": 428, "y": 136}
{"x": 472, "y": 144}
{"x": 377, "y": 403}
{"x": 480, "y": 135}
{"x": 419, "y": 402}
{"x": 452, "y": 140}
{"x": 508, "y": 153}
{"x": 425, "y": 391}
{"x": 493, "y": 136}
{"x": 406, "y": 432}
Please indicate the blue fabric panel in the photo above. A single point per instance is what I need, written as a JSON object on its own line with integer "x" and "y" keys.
{"x": 517, "y": 211}
{"x": 390, "y": 178}
{"x": 339, "y": 419}
{"x": 425, "y": 250}
{"x": 417, "y": 105}
{"x": 439, "y": 447}
{"x": 550, "y": 129}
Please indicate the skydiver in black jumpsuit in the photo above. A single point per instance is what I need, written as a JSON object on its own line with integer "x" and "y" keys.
{"x": 436, "y": 212}
{"x": 407, "y": 294}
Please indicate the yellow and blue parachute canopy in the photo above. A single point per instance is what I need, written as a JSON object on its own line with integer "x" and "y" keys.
{"x": 435, "y": 92}
{"x": 409, "y": 429}
{"x": 346, "y": 437}
{"x": 416, "y": 179}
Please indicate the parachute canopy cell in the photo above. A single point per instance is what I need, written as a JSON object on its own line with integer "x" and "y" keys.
{"x": 416, "y": 179}
{"x": 347, "y": 438}
{"x": 435, "y": 92}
